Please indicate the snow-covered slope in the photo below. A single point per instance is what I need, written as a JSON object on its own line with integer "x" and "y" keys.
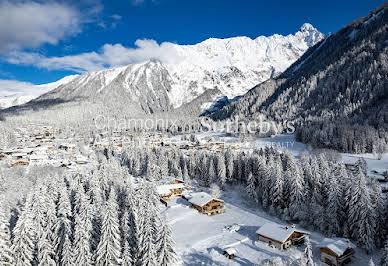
{"x": 233, "y": 66}
{"x": 29, "y": 92}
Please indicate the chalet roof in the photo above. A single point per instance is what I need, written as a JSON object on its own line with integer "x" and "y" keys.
{"x": 165, "y": 189}
{"x": 278, "y": 232}
{"x": 19, "y": 154}
{"x": 38, "y": 157}
{"x": 200, "y": 198}
{"x": 338, "y": 246}
{"x": 231, "y": 251}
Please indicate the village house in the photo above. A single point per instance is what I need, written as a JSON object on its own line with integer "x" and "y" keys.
{"x": 280, "y": 236}
{"x": 80, "y": 159}
{"x": 19, "y": 155}
{"x": 336, "y": 252}
{"x": 230, "y": 253}
{"x": 38, "y": 158}
{"x": 19, "y": 163}
{"x": 168, "y": 191}
{"x": 205, "y": 203}
{"x": 67, "y": 147}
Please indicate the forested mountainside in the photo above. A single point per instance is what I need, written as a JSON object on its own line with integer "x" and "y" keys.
{"x": 232, "y": 66}
{"x": 336, "y": 85}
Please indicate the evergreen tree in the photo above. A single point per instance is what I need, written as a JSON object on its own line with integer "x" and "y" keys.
{"x": 23, "y": 245}
{"x": 361, "y": 216}
{"x": 108, "y": 249}
{"x": 384, "y": 256}
{"x": 165, "y": 246}
{"x": 251, "y": 187}
{"x": 83, "y": 233}
{"x": 6, "y": 253}
{"x": 308, "y": 253}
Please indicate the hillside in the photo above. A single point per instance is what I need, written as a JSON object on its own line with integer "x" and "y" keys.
{"x": 340, "y": 82}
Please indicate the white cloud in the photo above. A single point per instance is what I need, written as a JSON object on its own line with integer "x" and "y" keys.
{"x": 31, "y": 24}
{"x": 109, "y": 55}
{"x": 116, "y": 16}
{"x": 14, "y": 87}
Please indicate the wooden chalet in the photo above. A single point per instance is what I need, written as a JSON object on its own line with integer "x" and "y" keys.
{"x": 230, "y": 253}
{"x": 1, "y": 156}
{"x": 336, "y": 252}
{"x": 281, "y": 236}
{"x": 19, "y": 163}
{"x": 205, "y": 203}
{"x": 178, "y": 181}
{"x": 168, "y": 191}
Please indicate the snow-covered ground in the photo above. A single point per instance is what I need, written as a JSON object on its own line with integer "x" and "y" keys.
{"x": 201, "y": 239}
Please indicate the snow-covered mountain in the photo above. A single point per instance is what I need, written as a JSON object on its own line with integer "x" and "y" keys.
{"x": 29, "y": 92}
{"x": 232, "y": 66}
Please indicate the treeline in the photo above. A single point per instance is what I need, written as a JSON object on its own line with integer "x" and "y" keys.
{"x": 344, "y": 137}
{"x": 315, "y": 192}
{"x": 88, "y": 219}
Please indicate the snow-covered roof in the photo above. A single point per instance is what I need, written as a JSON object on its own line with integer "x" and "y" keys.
{"x": 165, "y": 189}
{"x": 38, "y": 157}
{"x": 201, "y": 198}
{"x": 338, "y": 246}
{"x": 277, "y": 232}
{"x": 19, "y": 154}
{"x": 231, "y": 251}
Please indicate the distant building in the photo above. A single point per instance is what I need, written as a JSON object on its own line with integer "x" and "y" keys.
{"x": 281, "y": 236}
{"x": 170, "y": 191}
{"x": 20, "y": 163}
{"x": 336, "y": 252}
{"x": 230, "y": 253}
{"x": 205, "y": 203}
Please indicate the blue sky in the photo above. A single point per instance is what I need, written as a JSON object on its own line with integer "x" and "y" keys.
{"x": 43, "y": 41}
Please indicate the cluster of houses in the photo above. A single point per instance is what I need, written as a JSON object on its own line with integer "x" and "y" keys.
{"x": 42, "y": 148}
{"x": 334, "y": 252}
{"x": 201, "y": 201}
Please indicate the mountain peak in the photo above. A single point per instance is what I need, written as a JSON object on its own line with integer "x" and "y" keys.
{"x": 307, "y": 27}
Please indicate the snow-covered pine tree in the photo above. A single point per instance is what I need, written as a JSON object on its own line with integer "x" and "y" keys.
{"x": 229, "y": 165}
{"x": 165, "y": 246}
{"x": 276, "y": 191}
{"x": 23, "y": 243}
{"x": 308, "y": 253}
{"x": 384, "y": 255}
{"x": 211, "y": 175}
{"x": 361, "y": 216}
{"x": 316, "y": 208}
{"x": 379, "y": 213}
{"x": 251, "y": 187}
{"x": 334, "y": 208}
{"x": 62, "y": 240}
{"x": 6, "y": 253}
{"x": 221, "y": 169}
{"x": 108, "y": 249}
{"x": 83, "y": 232}
{"x": 296, "y": 185}
{"x": 126, "y": 254}
{"x": 147, "y": 246}
{"x": 46, "y": 253}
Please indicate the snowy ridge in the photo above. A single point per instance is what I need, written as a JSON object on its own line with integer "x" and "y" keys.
{"x": 32, "y": 92}
{"x": 232, "y": 65}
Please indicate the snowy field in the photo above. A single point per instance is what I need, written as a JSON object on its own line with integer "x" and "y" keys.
{"x": 201, "y": 239}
